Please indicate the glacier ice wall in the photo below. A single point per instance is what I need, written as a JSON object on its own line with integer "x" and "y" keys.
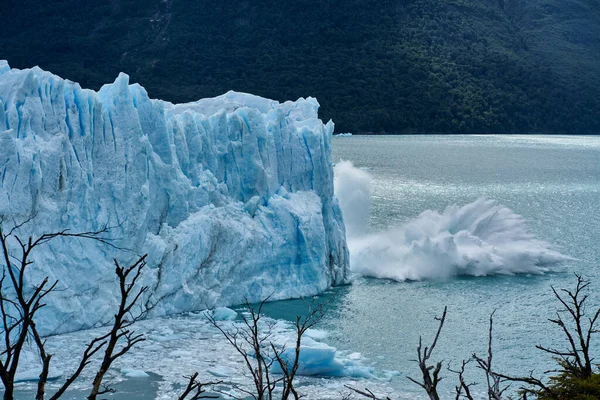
{"x": 231, "y": 197}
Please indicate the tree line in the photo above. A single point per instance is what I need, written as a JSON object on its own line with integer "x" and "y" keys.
{"x": 387, "y": 66}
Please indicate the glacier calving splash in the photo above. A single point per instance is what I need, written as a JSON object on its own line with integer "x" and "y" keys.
{"x": 478, "y": 239}
{"x": 231, "y": 197}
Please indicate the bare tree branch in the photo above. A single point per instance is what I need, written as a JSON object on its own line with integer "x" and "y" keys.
{"x": 493, "y": 381}
{"x": 463, "y": 386}
{"x": 430, "y": 374}
{"x": 366, "y": 393}
{"x": 128, "y": 277}
{"x": 195, "y": 389}
{"x": 17, "y": 298}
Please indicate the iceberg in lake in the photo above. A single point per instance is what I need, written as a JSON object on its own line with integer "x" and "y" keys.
{"x": 231, "y": 197}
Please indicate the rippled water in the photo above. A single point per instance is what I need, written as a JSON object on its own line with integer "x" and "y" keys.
{"x": 554, "y": 182}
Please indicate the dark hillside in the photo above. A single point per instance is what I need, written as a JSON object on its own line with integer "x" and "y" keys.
{"x": 485, "y": 66}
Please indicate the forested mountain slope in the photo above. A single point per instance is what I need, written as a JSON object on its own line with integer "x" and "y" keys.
{"x": 404, "y": 66}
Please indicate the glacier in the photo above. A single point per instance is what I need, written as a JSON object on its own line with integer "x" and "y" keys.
{"x": 231, "y": 197}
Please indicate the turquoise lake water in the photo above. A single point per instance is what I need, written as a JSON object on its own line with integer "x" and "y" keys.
{"x": 553, "y": 182}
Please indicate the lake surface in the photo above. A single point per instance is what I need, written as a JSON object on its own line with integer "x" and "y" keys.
{"x": 553, "y": 182}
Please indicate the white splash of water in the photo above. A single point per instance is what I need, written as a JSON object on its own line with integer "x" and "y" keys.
{"x": 479, "y": 239}
{"x": 353, "y": 190}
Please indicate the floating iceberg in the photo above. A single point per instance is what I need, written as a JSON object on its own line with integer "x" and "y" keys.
{"x": 231, "y": 197}
{"x": 319, "y": 359}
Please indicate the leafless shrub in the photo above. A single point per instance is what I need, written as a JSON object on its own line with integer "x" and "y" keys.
{"x": 20, "y": 304}
{"x": 575, "y": 361}
{"x": 125, "y": 317}
{"x": 264, "y": 353}
{"x": 430, "y": 373}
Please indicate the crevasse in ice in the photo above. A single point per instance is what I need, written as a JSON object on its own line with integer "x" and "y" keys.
{"x": 231, "y": 197}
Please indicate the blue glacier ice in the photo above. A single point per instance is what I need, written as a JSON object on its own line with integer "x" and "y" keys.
{"x": 231, "y": 197}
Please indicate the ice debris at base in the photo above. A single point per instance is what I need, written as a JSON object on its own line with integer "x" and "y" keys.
{"x": 177, "y": 346}
{"x": 231, "y": 197}
{"x": 343, "y": 135}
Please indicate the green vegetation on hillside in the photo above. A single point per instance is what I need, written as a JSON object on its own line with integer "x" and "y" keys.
{"x": 408, "y": 66}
